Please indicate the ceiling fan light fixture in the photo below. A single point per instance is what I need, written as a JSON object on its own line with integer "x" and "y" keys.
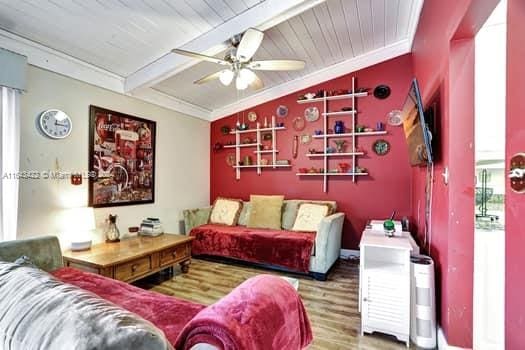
{"x": 226, "y": 77}
{"x": 240, "y": 83}
{"x": 247, "y": 75}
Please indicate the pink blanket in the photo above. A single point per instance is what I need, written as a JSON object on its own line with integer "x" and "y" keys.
{"x": 277, "y": 247}
{"x": 263, "y": 313}
{"x": 166, "y": 313}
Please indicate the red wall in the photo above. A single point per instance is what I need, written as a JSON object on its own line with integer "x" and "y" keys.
{"x": 444, "y": 65}
{"x": 515, "y": 203}
{"x": 388, "y": 187}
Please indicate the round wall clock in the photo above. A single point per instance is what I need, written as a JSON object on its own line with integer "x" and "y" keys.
{"x": 55, "y": 124}
{"x": 381, "y": 147}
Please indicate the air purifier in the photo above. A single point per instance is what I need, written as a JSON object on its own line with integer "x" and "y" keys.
{"x": 423, "y": 302}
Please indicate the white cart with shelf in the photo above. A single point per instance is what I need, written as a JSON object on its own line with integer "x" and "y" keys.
{"x": 384, "y": 284}
{"x": 258, "y": 132}
{"x": 353, "y": 154}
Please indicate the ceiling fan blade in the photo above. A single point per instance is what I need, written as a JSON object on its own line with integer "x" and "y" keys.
{"x": 250, "y": 42}
{"x": 257, "y": 83}
{"x": 208, "y": 78}
{"x": 277, "y": 65}
{"x": 201, "y": 57}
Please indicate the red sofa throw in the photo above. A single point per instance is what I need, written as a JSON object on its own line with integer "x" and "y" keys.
{"x": 167, "y": 313}
{"x": 277, "y": 247}
{"x": 263, "y": 313}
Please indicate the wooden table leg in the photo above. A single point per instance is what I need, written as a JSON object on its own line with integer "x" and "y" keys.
{"x": 185, "y": 266}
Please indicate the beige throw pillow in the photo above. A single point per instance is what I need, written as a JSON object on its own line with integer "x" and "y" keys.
{"x": 225, "y": 211}
{"x": 265, "y": 212}
{"x": 309, "y": 216}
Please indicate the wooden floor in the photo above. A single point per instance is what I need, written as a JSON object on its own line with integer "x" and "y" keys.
{"x": 331, "y": 305}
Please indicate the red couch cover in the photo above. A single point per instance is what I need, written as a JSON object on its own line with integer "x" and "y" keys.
{"x": 263, "y": 313}
{"x": 288, "y": 249}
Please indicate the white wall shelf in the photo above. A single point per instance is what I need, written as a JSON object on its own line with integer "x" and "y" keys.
{"x": 277, "y": 128}
{"x": 334, "y": 98}
{"x": 263, "y": 166}
{"x": 332, "y": 174}
{"x": 349, "y": 134}
{"x": 258, "y": 152}
{"x": 243, "y": 145}
{"x": 340, "y": 113}
{"x": 265, "y": 151}
{"x": 313, "y": 155}
{"x": 353, "y": 152}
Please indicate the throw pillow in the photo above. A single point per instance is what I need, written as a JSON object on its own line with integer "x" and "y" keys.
{"x": 309, "y": 216}
{"x": 225, "y": 211}
{"x": 245, "y": 213}
{"x": 265, "y": 212}
{"x": 291, "y": 206}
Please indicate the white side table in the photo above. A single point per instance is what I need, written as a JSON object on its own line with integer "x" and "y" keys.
{"x": 384, "y": 283}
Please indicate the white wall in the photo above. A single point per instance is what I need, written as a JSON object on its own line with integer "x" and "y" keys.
{"x": 182, "y": 159}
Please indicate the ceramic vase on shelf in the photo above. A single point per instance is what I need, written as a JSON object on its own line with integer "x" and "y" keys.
{"x": 112, "y": 232}
{"x": 339, "y": 127}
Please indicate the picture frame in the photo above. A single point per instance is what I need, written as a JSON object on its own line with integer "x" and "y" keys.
{"x": 121, "y": 157}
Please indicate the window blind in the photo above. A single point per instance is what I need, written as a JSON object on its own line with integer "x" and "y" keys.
{"x": 13, "y": 70}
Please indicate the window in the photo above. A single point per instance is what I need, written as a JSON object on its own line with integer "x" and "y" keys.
{"x": 9, "y": 161}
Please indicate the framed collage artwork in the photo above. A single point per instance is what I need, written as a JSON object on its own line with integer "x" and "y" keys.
{"x": 122, "y": 157}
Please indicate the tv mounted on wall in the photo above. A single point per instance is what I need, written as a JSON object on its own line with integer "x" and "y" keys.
{"x": 417, "y": 132}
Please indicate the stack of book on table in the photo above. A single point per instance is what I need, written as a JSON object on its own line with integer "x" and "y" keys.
{"x": 151, "y": 227}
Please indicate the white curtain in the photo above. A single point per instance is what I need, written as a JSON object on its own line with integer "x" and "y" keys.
{"x": 9, "y": 163}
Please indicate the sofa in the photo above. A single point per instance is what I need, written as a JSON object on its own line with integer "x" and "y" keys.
{"x": 269, "y": 248}
{"x": 44, "y": 305}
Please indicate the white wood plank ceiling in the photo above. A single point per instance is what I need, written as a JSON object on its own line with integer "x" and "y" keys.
{"x": 332, "y": 32}
{"x": 128, "y": 37}
{"x": 120, "y": 36}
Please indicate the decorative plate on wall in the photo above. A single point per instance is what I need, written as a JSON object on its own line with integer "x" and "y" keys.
{"x": 298, "y": 124}
{"x": 382, "y": 91}
{"x": 381, "y": 147}
{"x": 311, "y": 114}
{"x": 395, "y": 117}
{"x": 306, "y": 139}
{"x": 282, "y": 111}
{"x": 230, "y": 159}
{"x": 252, "y": 116}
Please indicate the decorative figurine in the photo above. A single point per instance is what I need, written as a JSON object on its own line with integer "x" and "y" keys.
{"x": 112, "y": 232}
{"x": 340, "y": 145}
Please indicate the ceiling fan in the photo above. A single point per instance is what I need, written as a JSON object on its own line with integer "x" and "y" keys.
{"x": 239, "y": 63}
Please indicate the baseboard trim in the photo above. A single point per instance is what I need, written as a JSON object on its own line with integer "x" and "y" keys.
{"x": 442, "y": 341}
{"x": 349, "y": 254}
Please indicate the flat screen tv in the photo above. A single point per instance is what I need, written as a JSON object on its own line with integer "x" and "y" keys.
{"x": 417, "y": 133}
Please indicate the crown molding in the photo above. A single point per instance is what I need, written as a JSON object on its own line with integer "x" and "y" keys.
{"x": 55, "y": 61}
{"x": 170, "y": 102}
{"x": 328, "y": 73}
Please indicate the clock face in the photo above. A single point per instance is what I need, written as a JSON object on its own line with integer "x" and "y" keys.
{"x": 55, "y": 124}
{"x": 381, "y": 147}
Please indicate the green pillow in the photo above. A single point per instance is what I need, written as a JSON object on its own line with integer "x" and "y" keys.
{"x": 265, "y": 212}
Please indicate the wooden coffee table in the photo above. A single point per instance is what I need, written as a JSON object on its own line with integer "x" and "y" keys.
{"x": 133, "y": 258}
